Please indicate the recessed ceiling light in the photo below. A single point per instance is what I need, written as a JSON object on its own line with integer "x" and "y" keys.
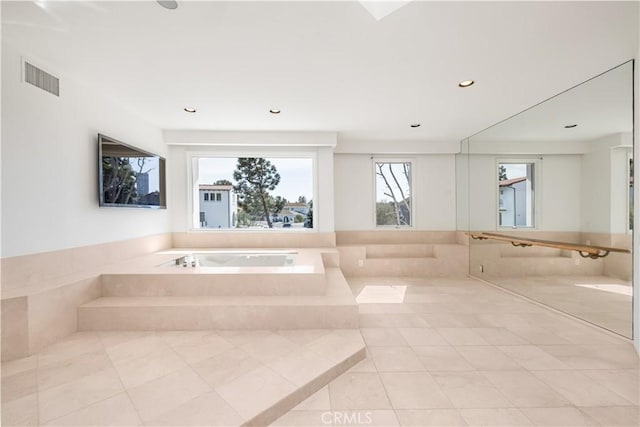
{"x": 274, "y": 111}
{"x": 570, "y": 126}
{"x": 190, "y": 109}
{"x": 466, "y": 83}
{"x": 168, "y": 4}
{"x": 415, "y": 125}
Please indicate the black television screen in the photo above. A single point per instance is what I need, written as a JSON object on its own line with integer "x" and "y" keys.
{"x": 130, "y": 177}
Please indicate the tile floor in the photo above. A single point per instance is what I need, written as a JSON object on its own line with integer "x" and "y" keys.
{"x": 181, "y": 378}
{"x": 456, "y": 352}
{"x": 447, "y": 352}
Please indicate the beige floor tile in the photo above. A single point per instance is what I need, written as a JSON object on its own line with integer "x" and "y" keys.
{"x": 532, "y": 357}
{"x": 19, "y": 365}
{"x": 525, "y": 390}
{"x": 470, "y": 390}
{"x": 20, "y": 412}
{"x": 375, "y": 417}
{"x": 558, "y": 417}
{"x": 626, "y": 383}
{"x": 72, "y": 396}
{"x": 430, "y": 418}
{"x": 402, "y": 320}
{"x": 300, "y": 366}
{"x": 255, "y": 391}
{"x": 269, "y": 347}
{"x": 395, "y": 359}
{"x": 580, "y": 389}
{"x": 358, "y": 390}
{"x": 628, "y": 416}
{"x": 414, "y": 390}
{"x": 135, "y": 372}
{"x": 71, "y": 369}
{"x": 537, "y": 335}
{"x": 306, "y": 418}
{"x": 422, "y": 336}
{"x": 593, "y": 357}
{"x": 225, "y": 367}
{"x": 461, "y": 336}
{"x": 207, "y": 346}
{"x": 206, "y": 410}
{"x": 442, "y": 359}
{"x": 302, "y": 336}
{"x": 494, "y": 417}
{"x": 365, "y": 365}
{"x": 487, "y": 358}
{"x": 318, "y": 401}
{"x": 74, "y": 345}
{"x": 19, "y": 385}
{"x": 238, "y": 338}
{"x": 136, "y": 347}
{"x": 114, "y": 411}
{"x": 382, "y": 337}
{"x": 159, "y": 396}
{"x": 499, "y": 336}
{"x": 111, "y": 339}
{"x": 174, "y": 338}
{"x": 338, "y": 345}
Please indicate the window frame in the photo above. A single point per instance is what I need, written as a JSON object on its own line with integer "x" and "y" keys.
{"x": 412, "y": 190}
{"x": 537, "y": 219}
{"x": 192, "y": 158}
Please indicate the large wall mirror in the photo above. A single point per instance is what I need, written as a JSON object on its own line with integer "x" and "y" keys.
{"x": 549, "y": 200}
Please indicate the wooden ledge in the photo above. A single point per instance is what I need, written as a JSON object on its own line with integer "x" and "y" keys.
{"x": 585, "y": 251}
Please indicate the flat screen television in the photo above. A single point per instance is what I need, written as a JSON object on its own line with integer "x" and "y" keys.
{"x": 130, "y": 177}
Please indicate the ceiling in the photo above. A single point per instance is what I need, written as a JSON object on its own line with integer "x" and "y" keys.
{"x": 329, "y": 66}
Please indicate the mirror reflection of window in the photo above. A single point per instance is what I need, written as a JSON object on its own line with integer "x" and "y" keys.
{"x": 516, "y": 191}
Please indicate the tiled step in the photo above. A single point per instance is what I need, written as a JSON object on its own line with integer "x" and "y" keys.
{"x": 406, "y": 250}
{"x": 412, "y": 260}
{"x": 336, "y": 309}
{"x": 207, "y": 284}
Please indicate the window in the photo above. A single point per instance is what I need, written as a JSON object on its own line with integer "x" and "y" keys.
{"x": 393, "y": 204}
{"x": 253, "y": 192}
{"x": 516, "y": 194}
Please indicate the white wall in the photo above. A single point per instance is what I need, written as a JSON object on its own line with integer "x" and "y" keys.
{"x": 557, "y": 187}
{"x": 604, "y": 185}
{"x": 49, "y": 166}
{"x": 433, "y": 192}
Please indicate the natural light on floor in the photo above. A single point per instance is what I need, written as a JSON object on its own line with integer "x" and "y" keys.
{"x": 616, "y": 289}
{"x": 381, "y": 294}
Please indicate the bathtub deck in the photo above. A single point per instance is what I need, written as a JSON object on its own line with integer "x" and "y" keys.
{"x": 337, "y": 308}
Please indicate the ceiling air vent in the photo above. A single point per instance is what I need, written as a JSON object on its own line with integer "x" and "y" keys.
{"x": 41, "y": 79}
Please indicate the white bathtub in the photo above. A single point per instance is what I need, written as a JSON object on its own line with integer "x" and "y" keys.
{"x": 236, "y": 259}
